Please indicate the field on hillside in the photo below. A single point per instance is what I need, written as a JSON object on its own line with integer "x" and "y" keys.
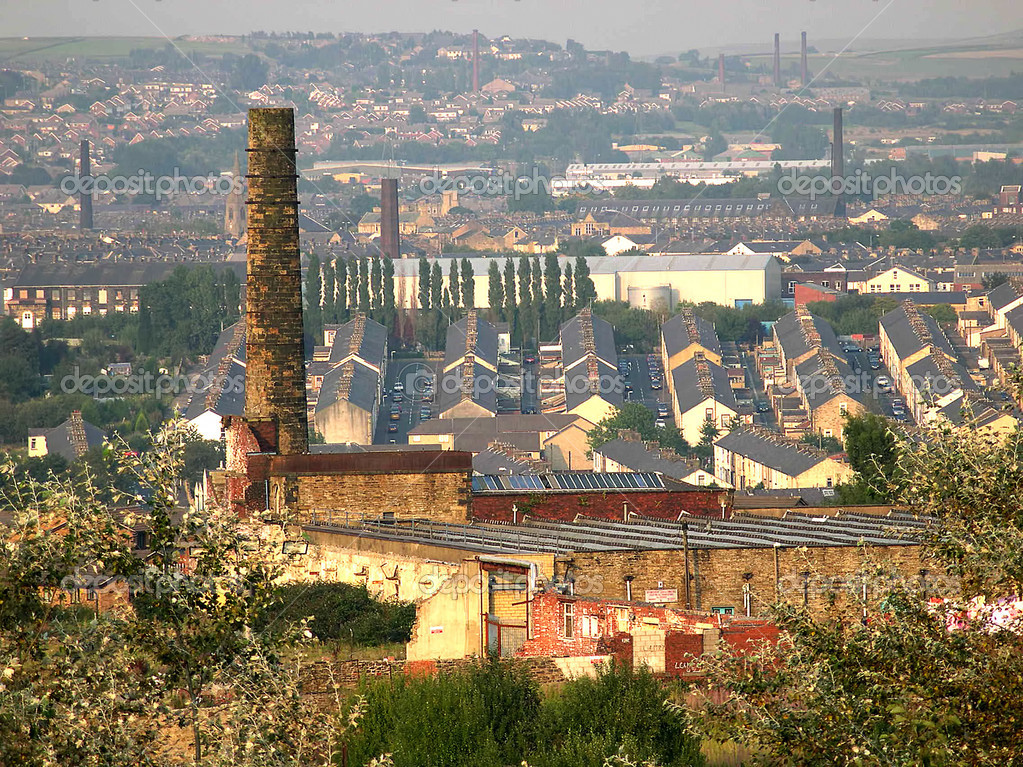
{"x": 22, "y": 51}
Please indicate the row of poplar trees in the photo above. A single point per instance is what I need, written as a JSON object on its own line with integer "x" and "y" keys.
{"x": 533, "y": 298}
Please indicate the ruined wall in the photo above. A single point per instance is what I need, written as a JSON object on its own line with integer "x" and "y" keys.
{"x": 659, "y": 504}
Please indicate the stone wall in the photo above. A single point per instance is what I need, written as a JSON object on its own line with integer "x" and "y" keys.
{"x": 716, "y": 575}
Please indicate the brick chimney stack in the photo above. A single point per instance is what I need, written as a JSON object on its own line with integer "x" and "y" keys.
{"x": 475, "y": 61}
{"x": 837, "y": 160}
{"x": 777, "y": 59}
{"x": 390, "y": 244}
{"x": 85, "y": 222}
{"x": 275, "y": 366}
{"x": 804, "y": 71}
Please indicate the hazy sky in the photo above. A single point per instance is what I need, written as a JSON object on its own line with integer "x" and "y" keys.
{"x": 638, "y": 26}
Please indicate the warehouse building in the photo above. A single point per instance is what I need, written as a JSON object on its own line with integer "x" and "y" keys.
{"x": 639, "y": 279}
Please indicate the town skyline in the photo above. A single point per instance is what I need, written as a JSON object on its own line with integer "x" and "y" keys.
{"x": 679, "y": 29}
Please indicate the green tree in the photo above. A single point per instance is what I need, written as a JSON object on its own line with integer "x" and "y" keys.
{"x": 329, "y": 288}
{"x": 468, "y": 285}
{"x": 873, "y": 454}
{"x": 364, "y": 304}
{"x": 569, "y": 302}
{"x": 584, "y": 290}
{"x": 424, "y": 283}
{"x": 495, "y": 292}
{"x": 552, "y": 296}
{"x": 908, "y": 678}
{"x": 313, "y": 314}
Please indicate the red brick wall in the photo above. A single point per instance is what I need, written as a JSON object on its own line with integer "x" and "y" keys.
{"x": 805, "y": 293}
{"x": 659, "y": 504}
{"x": 681, "y": 652}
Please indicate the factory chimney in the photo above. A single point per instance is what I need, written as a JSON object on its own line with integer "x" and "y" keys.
{"x": 777, "y": 60}
{"x": 721, "y": 70}
{"x": 234, "y": 206}
{"x": 390, "y": 246}
{"x": 275, "y": 401}
{"x": 837, "y": 163}
{"x": 804, "y": 72}
{"x": 475, "y": 61}
{"x": 85, "y": 223}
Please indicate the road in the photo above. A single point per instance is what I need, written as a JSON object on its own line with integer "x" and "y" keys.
{"x": 530, "y": 395}
{"x": 413, "y": 374}
{"x": 642, "y": 390}
{"x": 756, "y": 387}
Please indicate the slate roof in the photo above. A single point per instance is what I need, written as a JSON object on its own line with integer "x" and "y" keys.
{"x": 676, "y": 335}
{"x": 786, "y": 457}
{"x": 1002, "y": 295}
{"x": 59, "y": 439}
{"x": 372, "y": 348}
{"x": 790, "y": 336}
{"x": 635, "y": 456}
{"x": 690, "y": 394}
{"x": 353, "y": 382}
{"x": 905, "y": 339}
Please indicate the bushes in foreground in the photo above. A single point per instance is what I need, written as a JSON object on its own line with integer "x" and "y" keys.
{"x": 493, "y": 714}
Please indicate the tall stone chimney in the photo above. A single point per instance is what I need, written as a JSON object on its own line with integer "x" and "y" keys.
{"x": 390, "y": 245}
{"x": 804, "y": 71}
{"x": 475, "y": 61}
{"x": 85, "y": 222}
{"x": 275, "y": 402}
{"x": 234, "y": 206}
{"x": 837, "y": 161}
{"x": 777, "y": 59}
{"x": 721, "y": 70}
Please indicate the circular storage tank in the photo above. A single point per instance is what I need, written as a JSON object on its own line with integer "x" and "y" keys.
{"x": 657, "y": 297}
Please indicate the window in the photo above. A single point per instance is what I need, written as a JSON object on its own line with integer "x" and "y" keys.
{"x": 722, "y": 611}
{"x": 569, "y": 614}
{"x": 825, "y": 284}
{"x": 843, "y": 407}
{"x": 701, "y": 479}
{"x": 828, "y": 433}
{"x": 709, "y": 412}
{"x": 831, "y": 482}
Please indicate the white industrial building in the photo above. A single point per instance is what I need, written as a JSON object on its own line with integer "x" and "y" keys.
{"x": 643, "y": 281}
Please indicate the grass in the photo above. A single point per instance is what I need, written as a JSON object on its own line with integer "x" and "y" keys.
{"x": 36, "y": 49}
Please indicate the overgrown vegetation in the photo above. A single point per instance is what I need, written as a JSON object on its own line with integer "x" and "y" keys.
{"x": 493, "y": 715}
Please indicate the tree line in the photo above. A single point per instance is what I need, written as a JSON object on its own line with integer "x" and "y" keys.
{"x": 533, "y": 298}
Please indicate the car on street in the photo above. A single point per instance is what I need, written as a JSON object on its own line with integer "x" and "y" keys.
{"x": 763, "y": 407}
{"x": 529, "y": 359}
{"x": 660, "y": 424}
{"x": 392, "y": 427}
{"x": 398, "y": 397}
{"x": 656, "y": 384}
{"x": 399, "y": 386}
{"x": 662, "y": 410}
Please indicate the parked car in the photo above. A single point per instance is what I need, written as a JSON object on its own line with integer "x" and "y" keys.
{"x": 392, "y": 427}
{"x": 530, "y": 359}
{"x": 662, "y": 410}
{"x": 398, "y": 397}
{"x": 399, "y": 386}
{"x": 763, "y": 407}
{"x": 656, "y": 384}
{"x": 660, "y": 424}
